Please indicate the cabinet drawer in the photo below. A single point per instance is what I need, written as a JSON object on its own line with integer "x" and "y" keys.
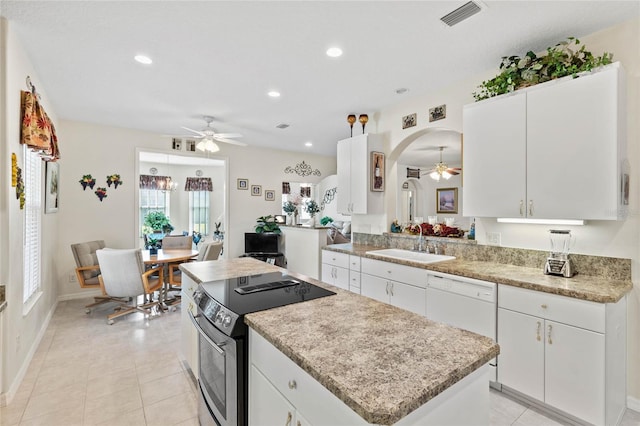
{"x": 336, "y": 259}
{"x": 354, "y": 263}
{"x": 393, "y": 271}
{"x": 576, "y": 312}
{"x": 354, "y": 280}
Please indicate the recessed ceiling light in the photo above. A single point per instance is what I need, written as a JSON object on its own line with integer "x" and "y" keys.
{"x": 402, "y": 90}
{"x": 334, "y": 52}
{"x": 274, "y": 94}
{"x": 143, "y": 59}
{"x": 308, "y": 144}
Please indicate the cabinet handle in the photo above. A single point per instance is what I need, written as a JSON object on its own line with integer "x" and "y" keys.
{"x": 391, "y": 289}
{"x": 289, "y": 417}
{"x": 549, "y": 336}
{"x": 292, "y": 384}
{"x": 530, "y": 207}
{"x": 538, "y": 331}
{"x": 387, "y": 289}
{"x": 521, "y": 207}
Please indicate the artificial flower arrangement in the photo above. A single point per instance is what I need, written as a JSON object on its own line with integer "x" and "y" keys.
{"x": 114, "y": 179}
{"x": 101, "y": 193}
{"x": 87, "y": 180}
{"x": 311, "y": 207}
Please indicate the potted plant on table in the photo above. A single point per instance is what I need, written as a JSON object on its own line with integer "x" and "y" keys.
{"x": 288, "y": 207}
{"x": 267, "y": 224}
{"x": 312, "y": 208}
{"x": 153, "y": 244}
{"x": 157, "y": 222}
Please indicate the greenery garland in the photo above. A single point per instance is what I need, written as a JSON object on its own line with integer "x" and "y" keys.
{"x": 559, "y": 61}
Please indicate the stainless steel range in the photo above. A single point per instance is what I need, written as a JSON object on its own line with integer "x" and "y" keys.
{"x": 223, "y": 343}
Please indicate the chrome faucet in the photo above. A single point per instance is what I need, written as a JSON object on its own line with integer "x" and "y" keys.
{"x": 420, "y": 240}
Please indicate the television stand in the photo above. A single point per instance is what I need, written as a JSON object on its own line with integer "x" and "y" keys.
{"x": 272, "y": 258}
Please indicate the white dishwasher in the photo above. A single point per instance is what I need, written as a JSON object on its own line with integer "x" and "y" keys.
{"x": 465, "y": 303}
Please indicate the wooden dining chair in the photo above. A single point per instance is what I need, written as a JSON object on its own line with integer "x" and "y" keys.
{"x": 123, "y": 275}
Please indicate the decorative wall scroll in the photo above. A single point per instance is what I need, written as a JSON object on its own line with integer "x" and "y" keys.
{"x": 302, "y": 169}
{"x": 329, "y": 195}
{"x": 413, "y": 173}
{"x": 52, "y": 180}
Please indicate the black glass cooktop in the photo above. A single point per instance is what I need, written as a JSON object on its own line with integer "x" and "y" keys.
{"x": 255, "y": 293}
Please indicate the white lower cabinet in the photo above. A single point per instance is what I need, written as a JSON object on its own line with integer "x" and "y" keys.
{"x": 189, "y": 332}
{"x": 398, "y": 285}
{"x": 335, "y": 269}
{"x": 567, "y": 353}
{"x": 354, "y": 273}
{"x": 268, "y": 406}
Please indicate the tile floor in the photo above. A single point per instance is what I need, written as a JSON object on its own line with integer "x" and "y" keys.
{"x": 88, "y": 373}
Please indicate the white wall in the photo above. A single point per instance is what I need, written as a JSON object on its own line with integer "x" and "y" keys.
{"x": 602, "y": 238}
{"x": 27, "y": 327}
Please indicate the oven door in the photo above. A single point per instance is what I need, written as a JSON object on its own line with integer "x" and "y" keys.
{"x": 218, "y": 374}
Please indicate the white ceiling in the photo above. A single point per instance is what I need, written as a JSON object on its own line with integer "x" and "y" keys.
{"x": 220, "y": 58}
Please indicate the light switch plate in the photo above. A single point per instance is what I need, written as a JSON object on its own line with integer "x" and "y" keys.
{"x": 493, "y": 238}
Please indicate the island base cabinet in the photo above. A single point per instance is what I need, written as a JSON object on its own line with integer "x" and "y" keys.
{"x": 281, "y": 393}
{"x": 189, "y": 333}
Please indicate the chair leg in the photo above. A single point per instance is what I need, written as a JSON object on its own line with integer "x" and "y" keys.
{"x": 100, "y": 300}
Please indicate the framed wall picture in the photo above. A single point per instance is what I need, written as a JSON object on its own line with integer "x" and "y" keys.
{"x": 269, "y": 194}
{"x": 437, "y": 113}
{"x": 191, "y": 145}
{"x": 377, "y": 171}
{"x": 256, "y": 190}
{"x": 52, "y": 181}
{"x": 447, "y": 200}
{"x": 243, "y": 184}
{"x": 409, "y": 120}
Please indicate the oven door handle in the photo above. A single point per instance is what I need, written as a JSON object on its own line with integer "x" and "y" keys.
{"x": 216, "y": 346}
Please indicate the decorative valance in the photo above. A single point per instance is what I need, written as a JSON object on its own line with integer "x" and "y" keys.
{"x": 286, "y": 188}
{"x": 37, "y": 130}
{"x": 198, "y": 184}
{"x": 161, "y": 183}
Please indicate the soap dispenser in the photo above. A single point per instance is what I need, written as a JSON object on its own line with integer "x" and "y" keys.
{"x": 472, "y": 230}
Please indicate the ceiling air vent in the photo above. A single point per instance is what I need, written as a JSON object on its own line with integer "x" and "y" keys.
{"x": 460, "y": 14}
{"x": 282, "y": 126}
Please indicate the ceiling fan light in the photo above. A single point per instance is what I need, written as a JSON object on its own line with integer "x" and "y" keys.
{"x": 211, "y": 146}
{"x": 434, "y": 175}
{"x": 446, "y": 174}
{"x": 201, "y": 145}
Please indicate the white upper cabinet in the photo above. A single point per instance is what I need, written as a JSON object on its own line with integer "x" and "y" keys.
{"x": 552, "y": 151}
{"x": 354, "y": 193}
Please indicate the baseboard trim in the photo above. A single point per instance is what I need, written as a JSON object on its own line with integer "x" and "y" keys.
{"x": 633, "y": 403}
{"x": 79, "y": 295}
{"x": 8, "y": 396}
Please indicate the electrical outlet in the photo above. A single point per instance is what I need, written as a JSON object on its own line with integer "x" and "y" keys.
{"x": 72, "y": 277}
{"x": 493, "y": 238}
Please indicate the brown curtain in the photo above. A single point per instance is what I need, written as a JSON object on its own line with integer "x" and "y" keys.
{"x": 155, "y": 182}
{"x": 198, "y": 184}
{"x": 37, "y": 131}
{"x": 286, "y": 188}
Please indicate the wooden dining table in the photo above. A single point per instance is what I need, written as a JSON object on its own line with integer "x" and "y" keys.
{"x": 165, "y": 257}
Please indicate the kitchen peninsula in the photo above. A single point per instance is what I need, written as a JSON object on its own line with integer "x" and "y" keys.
{"x": 358, "y": 359}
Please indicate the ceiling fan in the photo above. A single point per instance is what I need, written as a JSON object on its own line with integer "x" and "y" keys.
{"x": 208, "y": 137}
{"x": 442, "y": 170}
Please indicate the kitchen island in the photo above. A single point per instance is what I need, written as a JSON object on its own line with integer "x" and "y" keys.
{"x": 381, "y": 363}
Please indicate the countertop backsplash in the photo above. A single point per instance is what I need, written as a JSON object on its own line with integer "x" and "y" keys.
{"x": 599, "y": 266}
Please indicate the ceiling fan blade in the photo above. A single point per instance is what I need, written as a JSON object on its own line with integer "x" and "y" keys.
{"x": 229, "y": 141}
{"x": 452, "y": 172}
{"x": 228, "y": 135}
{"x": 197, "y": 132}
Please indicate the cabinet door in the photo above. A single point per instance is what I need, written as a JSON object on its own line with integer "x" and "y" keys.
{"x": 572, "y": 131}
{"x": 521, "y": 359}
{"x": 189, "y": 333}
{"x": 494, "y": 161}
{"x": 342, "y": 278}
{"x": 267, "y": 406}
{"x": 575, "y": 371}
{"x": 374, "y": 287}
{"x": 408, "y": 297}
{"x": 343, "y": 162}
{"x": 359, "y": 174}
{"x": 328, "y": 274}
{"x": 301, "y": 421}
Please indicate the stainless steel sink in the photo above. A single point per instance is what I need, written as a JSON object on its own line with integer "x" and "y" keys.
{"x": 413, "y": 256}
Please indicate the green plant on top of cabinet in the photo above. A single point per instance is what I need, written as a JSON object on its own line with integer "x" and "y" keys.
{"x": 551, "y": 151}
{"x": 354, "y": 177}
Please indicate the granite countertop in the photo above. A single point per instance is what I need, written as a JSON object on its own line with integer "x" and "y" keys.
{"x": 585, "y": 287}
{"x": 222, "y": 269}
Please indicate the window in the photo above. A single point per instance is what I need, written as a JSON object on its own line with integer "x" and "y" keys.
{"x": 153, "y": 200}
{"x": 199, "y": 206}
{"x": 32, "y": 224}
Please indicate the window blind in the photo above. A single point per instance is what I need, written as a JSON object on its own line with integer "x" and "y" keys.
{"x": 32, "y": 247}
{"x": 199, "y": 211}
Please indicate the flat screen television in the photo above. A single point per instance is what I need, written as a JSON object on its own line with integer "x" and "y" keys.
{"x": 261, "y": 243}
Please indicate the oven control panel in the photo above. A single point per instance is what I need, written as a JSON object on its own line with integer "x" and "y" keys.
{"x": 216, "y": 313}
